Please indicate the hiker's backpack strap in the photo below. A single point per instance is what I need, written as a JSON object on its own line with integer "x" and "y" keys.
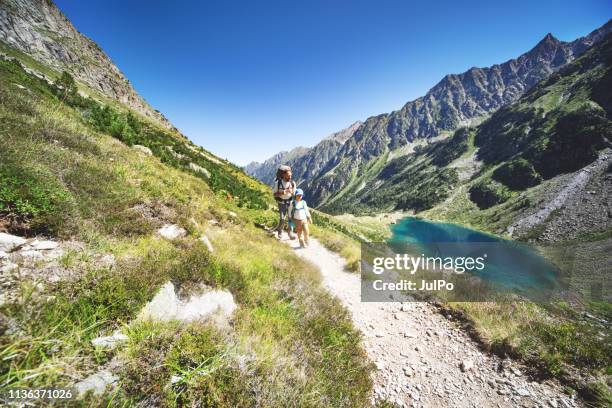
{"x": 293, "y": 205}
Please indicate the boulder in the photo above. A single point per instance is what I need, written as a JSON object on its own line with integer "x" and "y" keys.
{"x": 166, "y": 305}
{"x": 207, "y": 242}
{"x": 43, "y": 245}
{"x": 171, "y": 231}
{"x": 143, "y": 149}
{"x": 109, "y": 342}
{"x": 9, "y": 242}
{"x": 199, "y": 169}
{"x": 96, "y": 383}
{"x": 466, "y": 365}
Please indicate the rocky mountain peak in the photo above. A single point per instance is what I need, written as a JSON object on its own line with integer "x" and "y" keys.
{"x": 40, "y": 30}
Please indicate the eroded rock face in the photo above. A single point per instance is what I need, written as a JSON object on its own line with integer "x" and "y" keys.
{"x": 39, "y": 29}
{"x": 166, "y": 305}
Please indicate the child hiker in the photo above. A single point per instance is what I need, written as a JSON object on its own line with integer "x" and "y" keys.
{"x": 300, "y": 215}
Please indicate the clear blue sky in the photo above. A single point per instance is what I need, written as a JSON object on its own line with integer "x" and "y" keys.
{"x": 246, "y": 79}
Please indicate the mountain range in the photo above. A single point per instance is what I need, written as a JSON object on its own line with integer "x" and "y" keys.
{"x": 334, "y": 173}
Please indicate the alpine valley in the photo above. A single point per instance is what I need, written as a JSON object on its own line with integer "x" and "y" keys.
{"x": 517, "y": 148}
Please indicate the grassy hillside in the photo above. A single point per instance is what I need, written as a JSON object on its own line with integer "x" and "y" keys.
{"x": 68, "y": 171}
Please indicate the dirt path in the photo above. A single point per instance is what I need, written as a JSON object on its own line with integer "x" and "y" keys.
{"x": 424, "y": 359}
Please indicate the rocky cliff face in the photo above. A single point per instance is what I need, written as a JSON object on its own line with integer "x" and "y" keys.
{"x": 457, "y": 100}
{"x": 40, "y": 30}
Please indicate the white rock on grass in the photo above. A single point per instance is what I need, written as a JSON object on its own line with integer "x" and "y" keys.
{"x": 9, "y": 242}
{"x": 199, "y": 169}
{"x": 43, "y": 245}
{"x": 171, "y": 231}
{"x": 143, "y": 149}
{"x": 167, "y": 306}
{"x": 109, "y": 342}
{"x": 207, "y": 242}
{"x": 96, "y": 383}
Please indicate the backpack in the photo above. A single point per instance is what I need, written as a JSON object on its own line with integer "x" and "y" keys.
{"x": 282, "y": 169}
{"x": 280, "y": 172}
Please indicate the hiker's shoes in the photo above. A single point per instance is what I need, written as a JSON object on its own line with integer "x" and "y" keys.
{"x": 292, "y": 235}
{"x": 302, "y": 244}
{"x": 279, "y": 235}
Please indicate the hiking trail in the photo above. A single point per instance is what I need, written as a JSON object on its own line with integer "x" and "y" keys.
{"x": 424, "y": 359}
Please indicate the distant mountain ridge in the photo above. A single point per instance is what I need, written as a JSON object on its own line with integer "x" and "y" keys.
{"x": 304, "y": 161}
{"x": 41, "y": 31}
{"x": 457, "y": 100}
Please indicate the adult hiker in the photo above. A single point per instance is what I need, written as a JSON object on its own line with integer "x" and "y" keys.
{"x": 300, "y": 215}
{"x": 283, "y": 190}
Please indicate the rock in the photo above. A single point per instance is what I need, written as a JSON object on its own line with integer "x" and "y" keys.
{"x": 143, "y": 149}
{"x": 516, "y": 371}
{"x": 31, "y": 255}
{"x": 3, "y": 255}
{"x": 166, "y": 305}
{"x": 175, "y": 378}
{"x": 109, "y": 342}
{"x": 553, "y": 403}
{"x": 523, "y": 392}
{"x": 171, "y": 231}
{"x": 43, "y": 245}
{"x": 466, "y": 365}
{"x": 9, "y": 242}
{"x": 8, "y": 267}
{"x": 207, "y": 242}
{"x": 107, "y": 261}
{"x": 409, "y": 333}
{"x": 199, "y": 169}
{"x": 96, "y": 383}
{"x": 232, "y": 214}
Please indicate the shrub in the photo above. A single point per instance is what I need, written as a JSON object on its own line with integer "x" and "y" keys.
{"x": 576, "y": 139}
{"x": 518, "y": 174}
{"x": 487, "y": 194}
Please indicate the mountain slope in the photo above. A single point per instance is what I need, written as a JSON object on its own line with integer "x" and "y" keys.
{"x": 38, "y": 29}
{"x": 548, "y": 150}
{"x": 103, "y": 186}
{"x": 457, "y": 100}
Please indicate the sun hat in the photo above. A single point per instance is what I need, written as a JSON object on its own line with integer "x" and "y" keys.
{"x": 299, "y": 191}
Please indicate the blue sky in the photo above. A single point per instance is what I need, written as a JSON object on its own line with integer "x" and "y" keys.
{"x": 246, "y": 79}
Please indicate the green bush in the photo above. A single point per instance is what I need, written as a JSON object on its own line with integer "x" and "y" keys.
{"x": 518, "y": 174}
{"x": 487, "y": 194}
{"x": 452, "y": 149}
{"x": 27, "y": 199}
{"x": 574, "y": 143}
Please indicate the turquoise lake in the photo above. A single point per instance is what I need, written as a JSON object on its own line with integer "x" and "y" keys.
{"x": 511, "y": 265}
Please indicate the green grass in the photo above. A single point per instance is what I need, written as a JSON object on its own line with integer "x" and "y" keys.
{"x": 72, "y": 175}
